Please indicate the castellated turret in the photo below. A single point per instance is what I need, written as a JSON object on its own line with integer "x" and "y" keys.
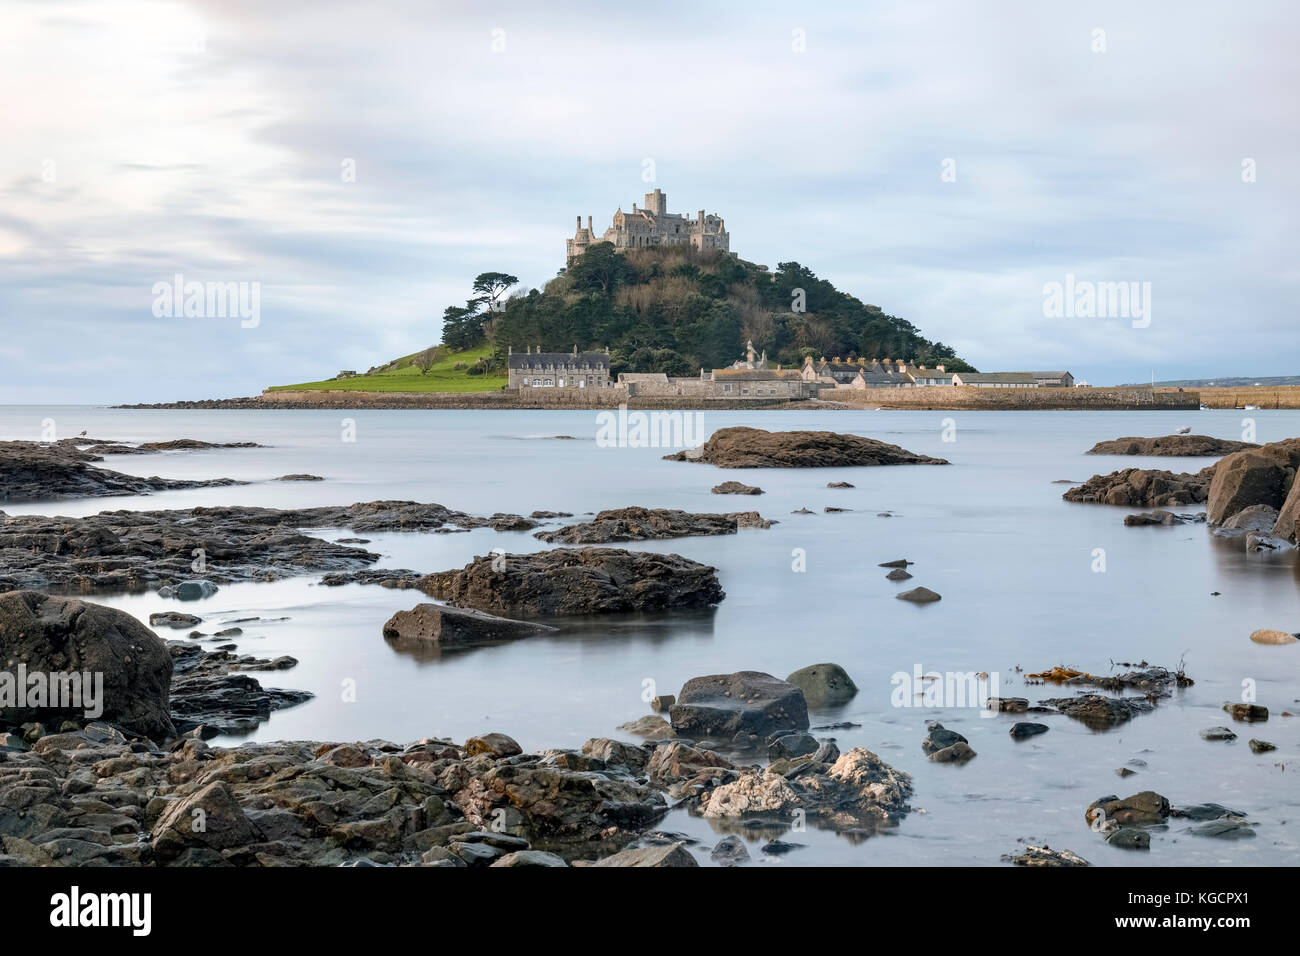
{"x": 652, "y": 225}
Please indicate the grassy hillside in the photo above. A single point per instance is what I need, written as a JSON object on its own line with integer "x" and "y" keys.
{"x": 403, "y": 375}
{"x": 667, "y": 309}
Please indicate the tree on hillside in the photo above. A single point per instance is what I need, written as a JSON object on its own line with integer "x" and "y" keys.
{"x": 489, "y": 287}
{"x": 426, "y": 360}
{"x": 600, "y": 269}
{"x": 462, "y": 328}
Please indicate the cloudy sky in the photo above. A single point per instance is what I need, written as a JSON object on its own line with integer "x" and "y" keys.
{"x": 362, "y": 162}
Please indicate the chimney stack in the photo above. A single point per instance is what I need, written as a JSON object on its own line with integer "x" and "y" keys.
{"x": 579, "y": 218}
{"x": 589, "y": 225}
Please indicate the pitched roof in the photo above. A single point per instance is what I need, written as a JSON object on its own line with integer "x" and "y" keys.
{"x": 748, "y": 375}
{"x": 1010, "y": 378}
{"x": 532, "y": 359}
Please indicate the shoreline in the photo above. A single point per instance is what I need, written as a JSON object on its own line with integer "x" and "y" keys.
{"x": 925, "y": 398}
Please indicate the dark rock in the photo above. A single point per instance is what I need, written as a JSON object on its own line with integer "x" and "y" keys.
{"x": 1248, "y": 712}
{"x": 824, "y": 685}
{"x": 650, "y": 524}
{"x": 1008, "y": 705}
{"x": 899, "y": 563}
{"x": 1129, "y": 838}
{"x": 838, "y": 484}
{"x": 300, "y": 478}
{"x": 65, "y": 636}
{"x": 740, "y": 447}
{"x": 898, "y": 574}
{"x": 1223, "y": 830}
{"x": 189, "y": 590}
{"x": 1218, "y": 733}
{"x": 1101, "y": 713}
{"x": 569, "y": 581}
{"x": 730, "y": 851}
{"x": 792, "y": 745}
{"x": 174, "y": 619}
{"x": 919, "y": 596}
{"x": 736, "y": 488}
{"x": 33, "y": 472}
{"x": 747, "y": 702}
{"x": 1023, "y": 730}
{"x": 441, "y": 626}
{"x": 1260, "y": 746}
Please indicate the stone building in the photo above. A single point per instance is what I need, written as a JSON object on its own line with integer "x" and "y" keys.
{"x": 538, "y": 369}
{"x": 1053, "y": 379}
{"x": 652, "y": 226}
{"x": 995, "y": 379}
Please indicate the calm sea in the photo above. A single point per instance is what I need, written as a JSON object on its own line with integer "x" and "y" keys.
{"x": 1028, "y": 581}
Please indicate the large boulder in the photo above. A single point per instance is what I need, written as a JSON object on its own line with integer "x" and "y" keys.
{"x": 1260, "y": 476}
{"x": 650, "y": 524}
{"x": 441, "y": 626}
{"x": 1243, "y": 480}
{"x": 747, "y": 702}
{"x": 569, "y": 581}
{"x": 1171, "y": 446}
{"x": 57, "y": 636}
{"x": 824, "y": 685}
{"x": 1287, "y": 526}
{"x": 740, "y": 447}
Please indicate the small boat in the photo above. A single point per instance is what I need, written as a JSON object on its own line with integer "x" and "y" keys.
{"x": 1250, "y": 408}
{"x": 1204, "y": 407}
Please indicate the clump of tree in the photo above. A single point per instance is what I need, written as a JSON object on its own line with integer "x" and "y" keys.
{"x": 464, "y": 328}
{"x": 428, "y": 359}
{"x": 674, "y": 309}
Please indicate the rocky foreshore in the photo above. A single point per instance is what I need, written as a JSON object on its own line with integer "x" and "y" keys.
{"x": 31, "y": 471}
{"x": 1251, "y": 493}
{"x": 137, "y": 785}
{"x": 740, "y": 447}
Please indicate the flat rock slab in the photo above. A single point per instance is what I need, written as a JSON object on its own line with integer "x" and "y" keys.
{"x": 650, "y": 524}
{"x": 740, "y": 447}
{"x": 30, "y": 471}
{"x": 567, "y": 581}
{"x": 456, "y": 627}
{"x": 1189, "y": 446}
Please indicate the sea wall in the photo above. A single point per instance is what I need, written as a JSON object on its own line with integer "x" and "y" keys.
{"x": 1275, "y": 396}
{"x": 968, "y": 397}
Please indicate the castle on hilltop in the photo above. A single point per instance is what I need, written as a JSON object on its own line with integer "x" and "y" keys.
{"x": 652, "y": 226}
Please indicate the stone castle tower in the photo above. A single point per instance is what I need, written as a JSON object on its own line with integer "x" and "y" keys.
{"x": 652, "y": 226}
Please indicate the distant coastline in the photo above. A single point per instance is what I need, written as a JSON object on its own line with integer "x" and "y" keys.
{"x": 933, "y": 398}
